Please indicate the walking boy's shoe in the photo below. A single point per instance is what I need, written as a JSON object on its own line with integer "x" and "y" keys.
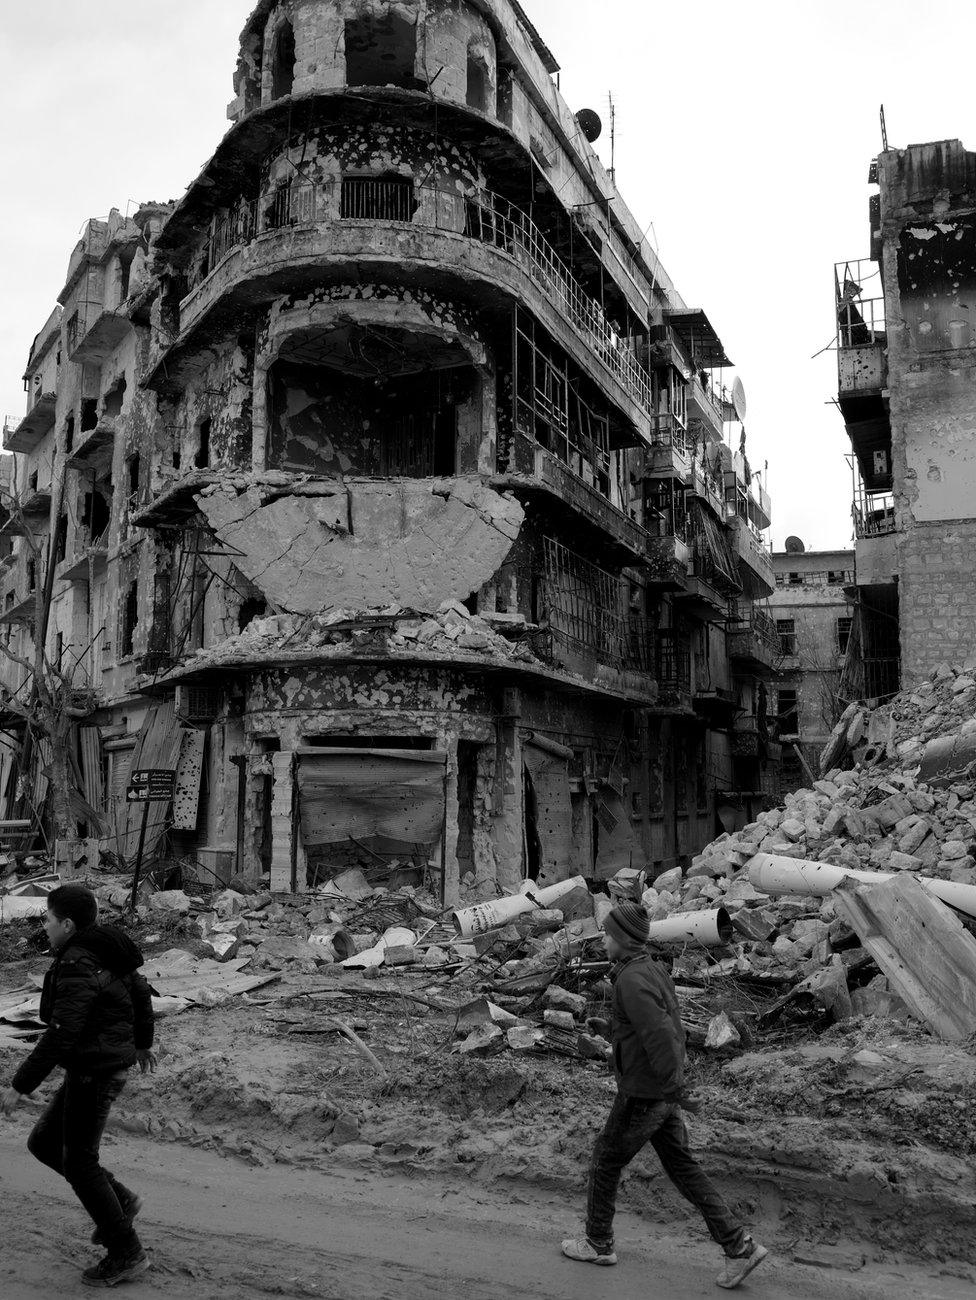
{"x": 130, "y": 1208}
{"x": 582, "y": 1249}
{"x": 114, "y": 1269}
{"x": 738, "y": 1267}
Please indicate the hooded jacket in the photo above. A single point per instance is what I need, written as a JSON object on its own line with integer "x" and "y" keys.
{"x": 97, "y": 1007}
{"x": 647, "y": 1036}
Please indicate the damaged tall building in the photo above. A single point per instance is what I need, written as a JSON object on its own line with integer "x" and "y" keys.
{"x": 906, "y": 357}
{"x": 384, "y": 488}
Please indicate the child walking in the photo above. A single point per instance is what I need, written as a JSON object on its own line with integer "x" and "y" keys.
{"x": 98, "y": 1012}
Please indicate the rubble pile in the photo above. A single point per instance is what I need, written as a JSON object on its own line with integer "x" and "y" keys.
{"x": 451, "y": 630}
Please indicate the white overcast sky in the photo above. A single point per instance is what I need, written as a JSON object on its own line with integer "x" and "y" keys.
{"x": 744, "y": 134}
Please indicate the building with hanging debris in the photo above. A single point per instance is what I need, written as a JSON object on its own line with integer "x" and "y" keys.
{"x": 907, "y": 393}
{"x": 387, "y": 487}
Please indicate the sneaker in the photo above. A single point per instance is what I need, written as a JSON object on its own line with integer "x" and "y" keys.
{"x": 582, "y": 1248}
{"x": 115, "y": 1269}
{"x": 738, "y": 1267}
{"x": 130, "y": 1208}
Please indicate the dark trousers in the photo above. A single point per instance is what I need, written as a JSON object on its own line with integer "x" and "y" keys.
{"x": 66, "y": 1138}
{"x": 634, "y": 1122}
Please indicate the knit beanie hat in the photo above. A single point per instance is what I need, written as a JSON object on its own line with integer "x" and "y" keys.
{"x": 628, "y": 923}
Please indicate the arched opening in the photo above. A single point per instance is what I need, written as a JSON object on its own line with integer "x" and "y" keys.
{"x": 283, "y": 64}
{"x": 477, "y": 96}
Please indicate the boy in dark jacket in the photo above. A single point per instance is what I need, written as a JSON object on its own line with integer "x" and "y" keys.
{"x": 648, "y": 1043}
{"x": 98, "y": 1010}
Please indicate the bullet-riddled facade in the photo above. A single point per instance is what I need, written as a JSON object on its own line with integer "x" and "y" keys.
{"x": 403, "y": 520}
{"x": 907, "y": 351}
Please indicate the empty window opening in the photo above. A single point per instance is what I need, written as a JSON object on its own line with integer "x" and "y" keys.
{"x": 177, "y": 458}
{"x": 844, "y": 626}
{"x": 95, "y": 514}
{"x": 251, "y": 609}
{"x": 58, "y": 649}
{"x": 406, "y": 426}
{"x": 130, "y": 620}
{"x": 786, "y": 631}
{"x": 787, "y": 711}
{"x": 132, "y": 470}
{"x": 283, "y": 62}
{"x": 32, "y": 483}
{"x": 89, "y": 413}
{"x": 377, "y": 198}
{"x": 382, "y": 51}
{"x": 61, "y": 546}
{"x": 69, "y": 433}
{"x": 202, "y": 458}
{"x": 126, "y": 258}
{"x": 112, "y": 404}
{"x": 31, "y": 575}
{"x": 477, "y": 96}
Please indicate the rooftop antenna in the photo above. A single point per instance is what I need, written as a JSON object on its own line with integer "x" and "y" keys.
{"x": 884, "y": 130}
{"x": 613, "y": 139}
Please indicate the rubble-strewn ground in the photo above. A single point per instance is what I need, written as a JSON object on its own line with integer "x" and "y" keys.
{"x": 830, "y": 1118}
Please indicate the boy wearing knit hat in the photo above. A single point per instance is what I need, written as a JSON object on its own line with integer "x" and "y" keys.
{"x": 648, "y": 1042}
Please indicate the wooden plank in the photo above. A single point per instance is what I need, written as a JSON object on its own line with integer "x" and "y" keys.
{"x": 922, "y": 947}
{"x": 189, "y": 770}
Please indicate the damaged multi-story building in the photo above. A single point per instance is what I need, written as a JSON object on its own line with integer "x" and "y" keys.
{"x": 389, "y": 485}
{"x": 907, "y": 393}
{"x": 813, "y": 610}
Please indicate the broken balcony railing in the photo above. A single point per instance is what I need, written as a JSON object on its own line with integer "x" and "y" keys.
{"x": 860, "y": 303}
{"x": 874, "y": 513}
{"x": 485, "y": 217}
{"x": 581, "y": 607}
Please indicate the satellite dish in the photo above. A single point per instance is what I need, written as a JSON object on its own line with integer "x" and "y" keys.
{"x": 794, "y": 546}
{"x": 590, "y": 124}
{"x": 739, "y": 398}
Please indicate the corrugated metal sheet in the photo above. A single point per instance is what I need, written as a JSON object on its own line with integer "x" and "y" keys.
{"x": 387, "y": 798}
{"x": 186, "y": 801}
{"x": 549, "y": 774}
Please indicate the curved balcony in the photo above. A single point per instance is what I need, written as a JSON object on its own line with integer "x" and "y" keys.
{"x": 310, "y": 234}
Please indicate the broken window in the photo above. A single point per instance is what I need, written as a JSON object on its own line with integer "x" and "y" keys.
{"x": 477, "y": 87}
{"x": 130, "y": 620}
{"x": 283, "y": 62}
{"x": 377, "y": 198}
{"x": 786, "y": 632}
{"x": 844, "y": 626}
{"x": 382, "y": 51}
{"x": 112, "y": 404}
{"x": 787, "y": 712}
{"x": 330, "y": 423}
{"x": 550, "y": 406}
{"x": 89, "y": 413}
{"x": 665, "y": 508}
{"x": 582, "y": 606}
{"x": 202, "y": 458}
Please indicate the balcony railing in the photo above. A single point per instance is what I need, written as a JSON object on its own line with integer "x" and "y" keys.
{"x": 673, "y": 663}
{"x": 484, "y": 217}
{"x": 668, "y": 431}
{"x": 860, "y": 304}
{"x": 874, "y": 514}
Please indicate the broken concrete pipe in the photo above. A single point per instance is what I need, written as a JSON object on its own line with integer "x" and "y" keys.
{"x": 482, "y": 917}
{"x": 711, "y": 929}
{"x": 770, "y": 873}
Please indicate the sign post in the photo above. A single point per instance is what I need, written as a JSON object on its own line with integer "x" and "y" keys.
{"x": 146, "y": 786}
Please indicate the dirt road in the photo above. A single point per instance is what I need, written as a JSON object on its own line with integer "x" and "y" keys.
{"x": 219, "y": 1228}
